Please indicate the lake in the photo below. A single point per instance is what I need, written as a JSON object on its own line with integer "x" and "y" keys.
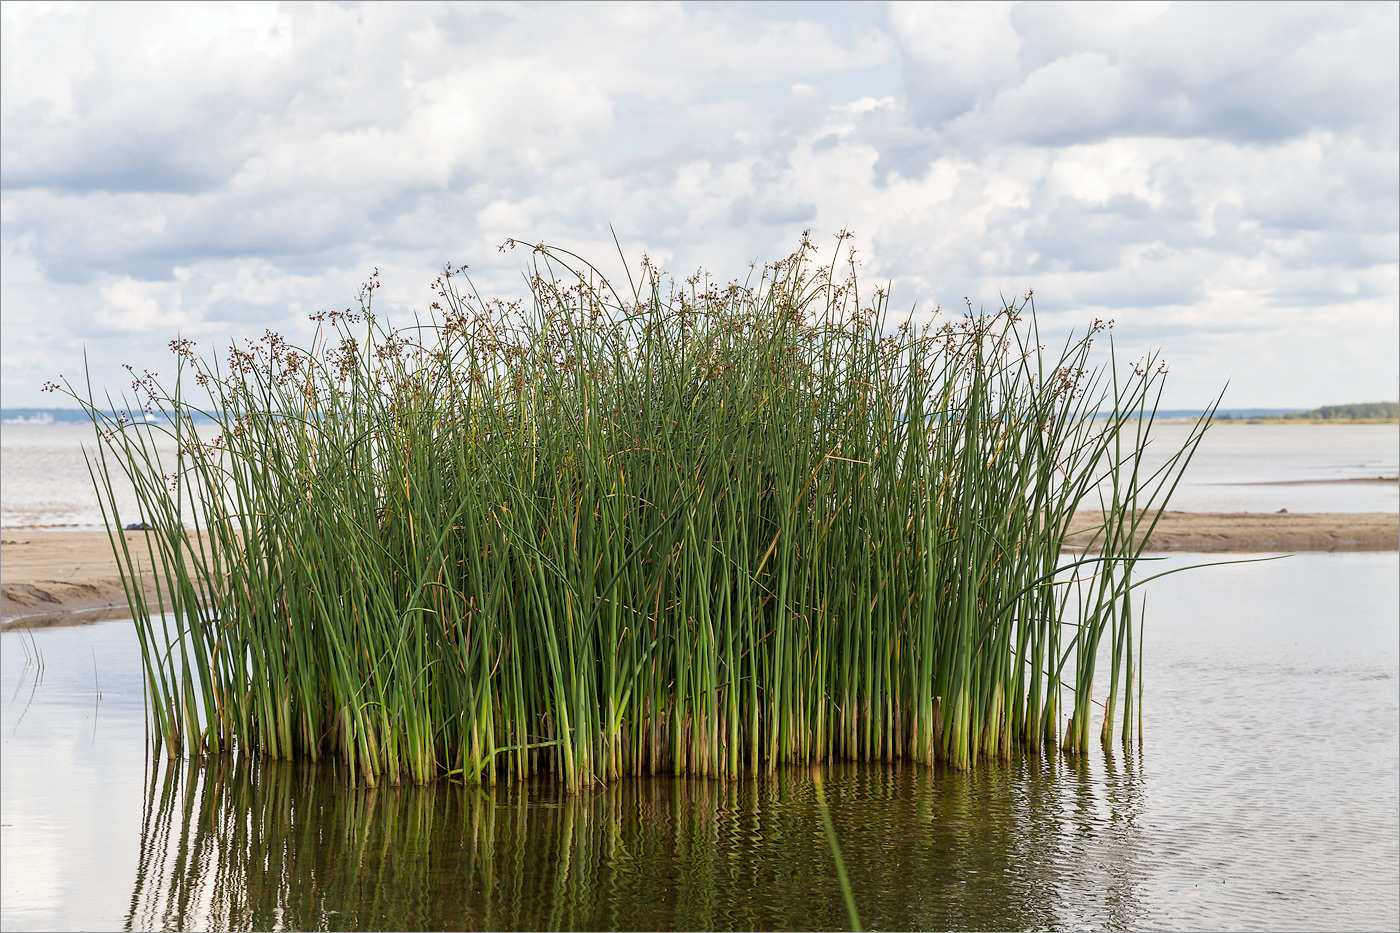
{"x": 1264, "y": 796}
{"x": 1299, "y": 467}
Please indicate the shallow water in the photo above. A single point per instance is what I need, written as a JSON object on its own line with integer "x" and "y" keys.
{"x": 1265, "y": 796}
{"x": 1298, "y": 467}
{"x": 46, "y": 478}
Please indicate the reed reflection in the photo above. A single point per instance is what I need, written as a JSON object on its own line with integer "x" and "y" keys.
{"x": 239, "y": 844}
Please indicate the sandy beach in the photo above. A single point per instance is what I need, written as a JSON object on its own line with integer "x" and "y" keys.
{"x": 1275, "y": 532}
{"x": 62, "y": 578}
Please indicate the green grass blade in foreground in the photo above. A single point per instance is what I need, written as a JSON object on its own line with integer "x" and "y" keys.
{"x": 835, "y": 847}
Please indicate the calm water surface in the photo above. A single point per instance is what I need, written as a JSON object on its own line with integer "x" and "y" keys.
{"x": 1265, "y": 797}
{"x": 46, "y": 479}
{"x": 1299, "y": 467}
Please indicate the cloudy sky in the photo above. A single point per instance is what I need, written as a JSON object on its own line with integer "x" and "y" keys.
{"x": 1220, "y": 180}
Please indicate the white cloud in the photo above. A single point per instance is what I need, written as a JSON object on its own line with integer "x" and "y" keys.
{"x": 1213, "y": 176}
{"x": 957, "y": 56}
{"x": 1048, "y": 73}
{"x": 132, "y": 305}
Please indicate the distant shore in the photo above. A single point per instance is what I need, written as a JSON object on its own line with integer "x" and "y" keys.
{"x": 70, "y": 577}
{"x": 1225, "y": 421}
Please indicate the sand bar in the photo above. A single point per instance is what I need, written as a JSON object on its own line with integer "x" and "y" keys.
{"x": 1274, "y": 532}
{"x": 64, "y": 577}
{"x": 67, "y": 577}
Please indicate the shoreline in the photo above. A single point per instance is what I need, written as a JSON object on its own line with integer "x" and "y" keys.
{"x": 1271, "y": 532}
{"x": 64, "y": 577}
{"x": 50, "y": 578}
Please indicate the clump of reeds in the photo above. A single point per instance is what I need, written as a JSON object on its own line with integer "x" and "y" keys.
{"x": 695, "y": 528}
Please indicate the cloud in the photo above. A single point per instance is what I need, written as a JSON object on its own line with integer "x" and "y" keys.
{"x": 1064, "y": 73}
{"x": 1211, "y": 175}
{"x": 232, "y": 131}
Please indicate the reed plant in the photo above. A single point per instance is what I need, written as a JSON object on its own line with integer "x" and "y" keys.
{"x": 684, "y": 527}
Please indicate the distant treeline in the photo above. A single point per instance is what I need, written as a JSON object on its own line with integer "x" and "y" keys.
{"x": 1357, "y": 411}
{"x": 1362, "y": 411}
{"x": 43, "y": 415}
{"x": 60, "y": 416}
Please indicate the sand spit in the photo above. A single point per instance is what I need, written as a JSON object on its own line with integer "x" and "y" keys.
{"x": 65, "y": 577}
{"x": 1274, "y": 532}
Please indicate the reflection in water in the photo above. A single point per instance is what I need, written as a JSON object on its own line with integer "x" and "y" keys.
{"x": 1267, "y": 797}
{"x": 1022, "y": 844}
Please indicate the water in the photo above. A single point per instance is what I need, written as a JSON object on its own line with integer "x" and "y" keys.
{"x": 46, "y": 479}
{"x": 1264, "y": 797}
{"x": 1299, "y": 467}
{"x": 1316, "y": 467}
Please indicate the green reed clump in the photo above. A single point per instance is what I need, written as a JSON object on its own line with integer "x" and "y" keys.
{"x": 694, "y": 528}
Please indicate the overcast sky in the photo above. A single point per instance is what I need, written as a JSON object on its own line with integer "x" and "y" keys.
{"x": 1220, "y": 180}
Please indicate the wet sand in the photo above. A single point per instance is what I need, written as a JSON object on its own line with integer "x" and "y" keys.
{"x": 1274, "y": 532}
{"x": 65, "y": 577}
{"x": 69, "y": 577}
